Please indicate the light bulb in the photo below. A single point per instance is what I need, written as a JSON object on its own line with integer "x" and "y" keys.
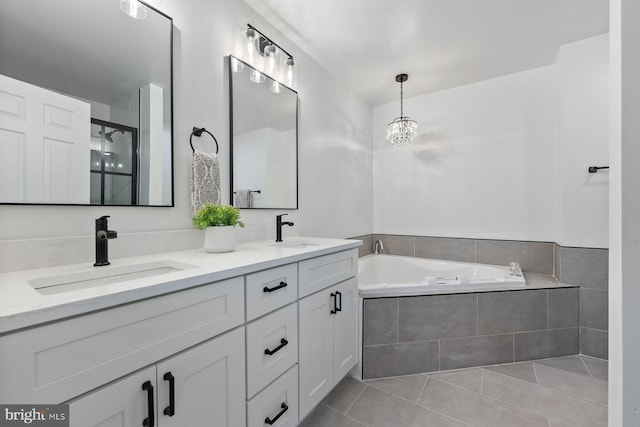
{"x": 290, "y": 73}
{"x": 133, "y": 8}
{"x": 271, "y": 58}
{"x": 250, "y": 46}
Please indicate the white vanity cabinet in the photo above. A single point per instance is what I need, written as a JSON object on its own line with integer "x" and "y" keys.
{"x": 327, "y": 324}
{"x": 199, "y": 387}
{"x": 261, "y": 346}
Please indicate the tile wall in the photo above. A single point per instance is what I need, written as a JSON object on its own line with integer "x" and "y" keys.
{"x": 584, "y": 267}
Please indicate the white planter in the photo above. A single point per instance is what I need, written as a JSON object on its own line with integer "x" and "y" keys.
{"x": 220, "y": 239}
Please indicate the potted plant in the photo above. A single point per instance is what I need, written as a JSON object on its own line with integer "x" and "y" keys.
{"x": 219, "y": 222}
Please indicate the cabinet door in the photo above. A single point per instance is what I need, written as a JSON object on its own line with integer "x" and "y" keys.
{"x": 316, "y": 349}
{"x": 209, "y": 385}
{"x": 121, "y": 404}
{"x": 345, "y": 329}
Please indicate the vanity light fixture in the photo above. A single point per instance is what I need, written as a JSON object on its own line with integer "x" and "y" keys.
{"x": 267, "y": 57}
{"x": 402, "y": 130}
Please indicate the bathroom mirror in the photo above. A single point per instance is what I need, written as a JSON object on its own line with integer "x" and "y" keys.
{"x": 264, "y": 140}
{"x": 85, "y": 104}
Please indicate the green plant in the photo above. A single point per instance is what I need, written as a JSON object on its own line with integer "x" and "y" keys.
{"x": 217, "y": 215}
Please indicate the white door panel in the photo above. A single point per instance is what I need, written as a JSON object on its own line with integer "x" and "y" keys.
{"x": 44, "y": 142}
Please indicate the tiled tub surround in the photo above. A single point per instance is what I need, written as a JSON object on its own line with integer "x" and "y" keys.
{"x": 584, "y": 267}
{"x": 410, "y": 335}
{"x": 589, "y": 269}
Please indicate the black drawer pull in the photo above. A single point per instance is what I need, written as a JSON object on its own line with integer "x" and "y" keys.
{"x": 270, "y": 421}
{"x": 338, "y": 300}
{"x": 283, "y": 342}
{"x": 150, "y": 421}
{"x": 171, "y": 409}
{"x": 280, "y": 286}
{"x": 334, "y": 301}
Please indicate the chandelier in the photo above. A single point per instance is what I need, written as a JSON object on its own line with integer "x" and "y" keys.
{"x": 402, "y": 130}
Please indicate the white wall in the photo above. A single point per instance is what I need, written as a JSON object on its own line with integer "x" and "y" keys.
{"x": 624, "y": 269}
{"x": 334, "y": 137}
{"x": 583, "y": 141}
{"x": 481, "y": 167}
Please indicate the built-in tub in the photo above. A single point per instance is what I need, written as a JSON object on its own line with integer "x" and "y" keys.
{"x": 392, "y": 275}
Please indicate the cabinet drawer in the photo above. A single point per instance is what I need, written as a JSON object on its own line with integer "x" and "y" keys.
{"x": 276, "y": 333}
{"x": 319, "y": 273}
{"x": 280, "y": 397}
{"x": 56, "y": 362}
{"x": 271, "y": 289}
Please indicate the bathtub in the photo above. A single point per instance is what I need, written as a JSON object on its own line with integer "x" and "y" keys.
{"x": 397, "y": 275}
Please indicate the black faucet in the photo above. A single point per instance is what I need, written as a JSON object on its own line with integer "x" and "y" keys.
{"x": 103, "y": 235}
{"x": 279, "y": 224}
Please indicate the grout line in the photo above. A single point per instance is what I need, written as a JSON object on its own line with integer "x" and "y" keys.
{"x": 535, "y": 373}
{"x": 585, "y": 365}
{"x": 424, "y": 386}
{"x": 356, "y": 399}
{"x": 481, "y": 381}
{"x": 344, "y": 415}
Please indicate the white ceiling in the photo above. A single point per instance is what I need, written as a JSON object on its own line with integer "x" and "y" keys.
{"x": 439, "y": 43}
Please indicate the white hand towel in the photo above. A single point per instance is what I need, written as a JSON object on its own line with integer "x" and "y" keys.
{"x": 243, "y": 199}
{"x": 204, "y": 180}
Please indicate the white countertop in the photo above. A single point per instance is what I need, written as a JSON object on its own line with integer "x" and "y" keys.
{"x": 22, "y": 306}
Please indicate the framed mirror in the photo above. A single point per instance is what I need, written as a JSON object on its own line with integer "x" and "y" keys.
{"x": 86, "y": 103}
{"x": 264, "y": 140}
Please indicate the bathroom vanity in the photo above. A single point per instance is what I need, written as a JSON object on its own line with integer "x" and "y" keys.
{"x": 253, "y": 337}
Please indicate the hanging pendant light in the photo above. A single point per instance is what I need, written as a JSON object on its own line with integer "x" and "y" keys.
{"x": 402, "y": 130}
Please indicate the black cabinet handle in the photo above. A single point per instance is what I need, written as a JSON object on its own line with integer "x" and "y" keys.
{"x": 338, "y": 300}
{"x": 283, "y": 342}
{"x": 334, "y": 301}
{"x": 280, "y": 286}
{"x": 270, "y": 421}
{"x": 171, "y": 409}
{"x": 150, "y": 421}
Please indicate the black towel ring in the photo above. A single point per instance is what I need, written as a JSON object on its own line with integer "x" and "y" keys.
{"x": 198, "y": 132}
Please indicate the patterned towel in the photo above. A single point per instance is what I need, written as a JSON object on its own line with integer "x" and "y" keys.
{"x": 204, "y": 180}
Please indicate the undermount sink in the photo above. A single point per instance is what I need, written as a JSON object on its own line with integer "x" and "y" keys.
{"x": 101, "y": 276}
{"x": 295, "y": 244}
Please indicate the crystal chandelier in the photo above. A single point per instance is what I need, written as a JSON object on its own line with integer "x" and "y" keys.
{"x": 402, "y": 130}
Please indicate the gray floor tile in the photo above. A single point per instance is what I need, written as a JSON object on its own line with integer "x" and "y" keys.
{"x": 408, "y": 387}
{"x": 544, "y": 401}
{"x": 522, "y": 371}
{"x": 323, "y": 416}
{"x": 569, "y": 363}
{"x": 375, "y": 408}
{"x": 471, "y": 378}
{"x": 344, "y": 394}
{"x": 598, "y": 368}
{"x": 554, "y": 423}
{"x": 577, "y": 385}
{"x": 474, "y": 408}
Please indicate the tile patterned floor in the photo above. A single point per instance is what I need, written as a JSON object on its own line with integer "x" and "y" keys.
{"x": 562, "y": 392}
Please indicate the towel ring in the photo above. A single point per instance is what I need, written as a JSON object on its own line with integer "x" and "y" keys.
{"x": 198, "y": 132}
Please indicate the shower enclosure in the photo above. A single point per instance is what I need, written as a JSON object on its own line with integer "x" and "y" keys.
{"x": 114, "y": 163}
